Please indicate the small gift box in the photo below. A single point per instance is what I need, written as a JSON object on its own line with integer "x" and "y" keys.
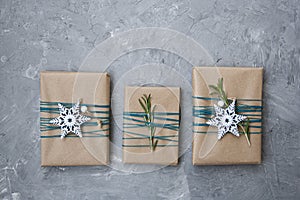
{"x": 74, "y": 118}
{"x": 227, "y": 115}
{"x": 151, "y": 124}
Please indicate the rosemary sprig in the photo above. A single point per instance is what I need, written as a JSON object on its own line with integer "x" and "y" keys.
{"x": 246, "y": 131}
{"x": 145, "y": 102}
{"x": 219, "y": 91}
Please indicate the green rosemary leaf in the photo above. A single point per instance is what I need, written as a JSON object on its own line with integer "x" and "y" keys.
{"x": 246, "y": 131}
{"x": 247, "y": 126}
{"x": 144, "y": 99}
{"x": 221, "y": 84}
{"x": 152, "y": 131}
{"x": 153, "y": 112}
{"x": 153, "y": 109}
{"x": 213, "y": 87}
{"x": 149, "y": 103}
{"x": 213, "y": 93}
{"x": 155, "y": 144}
{"x": 148, "y": 118}
{"x": 143, "y": 106}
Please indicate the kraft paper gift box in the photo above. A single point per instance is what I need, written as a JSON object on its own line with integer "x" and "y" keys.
{"x": 243, "y": 84}
{"x": 67, "y": 88}
{"x": 136, "y": 135}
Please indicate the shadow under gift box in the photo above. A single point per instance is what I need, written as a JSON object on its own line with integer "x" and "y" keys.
{"x": 66, "y": 88}
{"x": 244, "y": 84}
{"x": 136, "y": 147}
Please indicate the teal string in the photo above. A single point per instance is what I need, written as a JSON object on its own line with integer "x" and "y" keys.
{"x": 136, "y": 121}
{"x": 44, "y": 107}
{"x": 143, "y": 136}
{"x": 208, "y": 110}
{"x": 71, "y": 104}
{"x": 44, "y": 123}
{"x": 92, "y": 117}
{"x": 205, "y": 112}
{"x": 251, "y": 120}
{"x": 173, "y": 126}
{"x": 70, "y": 136}
{"x": 54, "y": 109}
{"x": 141, "y": 115}
{"x": 216, "y": 99}
{"x": 167, "y": 126}
{"x": 240, "y": 106}
{"x": 156, "y": 113}
{"x": 158, "y": 145}
{"x": 102, "y": 112}
{"x": 204, "y": 124}
{"x": 209, "y": 132}
{"x": 85, "y": 132}
{"x": 138, "y": 116}
{"x": 95, "y": 131}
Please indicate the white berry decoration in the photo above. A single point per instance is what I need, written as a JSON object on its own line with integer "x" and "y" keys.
{"x": 83, "y": 108}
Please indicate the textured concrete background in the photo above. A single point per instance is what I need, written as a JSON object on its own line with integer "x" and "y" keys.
{"x": 58, "y": 35}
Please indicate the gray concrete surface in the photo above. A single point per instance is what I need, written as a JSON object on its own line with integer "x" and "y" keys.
{"x": 58, "y": 35}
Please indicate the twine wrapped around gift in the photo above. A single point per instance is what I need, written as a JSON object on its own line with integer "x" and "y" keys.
{"x": 134, "y": 120}
{"x": 96, "y": 113}
{"x": 252, "y": 112}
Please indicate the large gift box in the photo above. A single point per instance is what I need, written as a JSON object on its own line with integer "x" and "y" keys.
{"x": 151, "y": 125}
{"x": 74, "y": 118}
{"x": 244, "y": 87}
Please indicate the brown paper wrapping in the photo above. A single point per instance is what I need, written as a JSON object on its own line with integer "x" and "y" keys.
{"x": 68, "y": 87}
{"x": 239, "y": 83}
{"x": 166, "y": 99}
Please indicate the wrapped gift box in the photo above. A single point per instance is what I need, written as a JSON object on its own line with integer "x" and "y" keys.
{"x": 243, "y": 84}
{"x": 136, "y": 143}
{"x": 66, "y": 88}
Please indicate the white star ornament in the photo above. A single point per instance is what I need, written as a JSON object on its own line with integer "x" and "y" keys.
{"x": 226, "y": 120}
{"x": 69, "y": 120}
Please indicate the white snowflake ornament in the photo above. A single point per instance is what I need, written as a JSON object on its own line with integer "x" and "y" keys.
{"x": 69, "y": 120}
{"x": 226, "y": 120}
